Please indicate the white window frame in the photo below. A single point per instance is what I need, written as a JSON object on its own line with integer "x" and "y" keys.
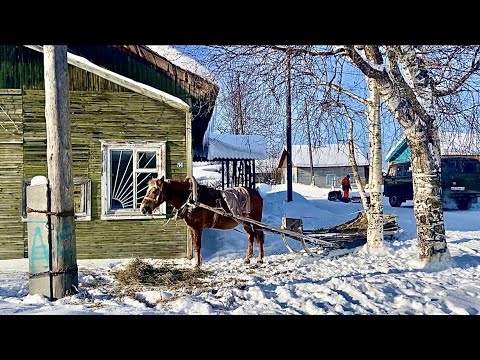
{"x": 352, "y": 179}
{"x": 85, "y": 199}
{"x": 136, "y": 146}
{"x": 334, "y": 179}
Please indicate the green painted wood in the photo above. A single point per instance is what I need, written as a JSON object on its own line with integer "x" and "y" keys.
{"x": 21, "y": 67}
{"x": 112, "y": 116}
{"x": 11, "y": 174}
{"x": 94, "y": 117}
{"x": 11, "y": 226}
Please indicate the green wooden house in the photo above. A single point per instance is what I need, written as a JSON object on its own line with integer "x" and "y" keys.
{"x": 132, "y": 112}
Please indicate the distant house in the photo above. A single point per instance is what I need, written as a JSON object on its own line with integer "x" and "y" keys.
{"x": 330, "y": 165}
{"x": 451, "y": 144}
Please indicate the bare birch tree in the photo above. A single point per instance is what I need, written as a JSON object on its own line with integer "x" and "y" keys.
{"x": 423, "y": 87}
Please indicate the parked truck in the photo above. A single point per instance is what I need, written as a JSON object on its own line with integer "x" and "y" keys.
{"x": 460, "y": 180}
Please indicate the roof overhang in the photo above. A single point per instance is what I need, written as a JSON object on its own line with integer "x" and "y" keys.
{"x": 227, "y": 146}
{"x": 121, "y": 80}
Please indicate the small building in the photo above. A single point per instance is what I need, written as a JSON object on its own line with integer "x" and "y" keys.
{"x": 237, "y": 155}
{"x": 330, "y": 165}
{"x": 451, "y": 144}
{"x": 134, "y": 115}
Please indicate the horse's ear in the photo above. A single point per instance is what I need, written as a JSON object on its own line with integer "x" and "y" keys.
{"x": 160, "y": 181}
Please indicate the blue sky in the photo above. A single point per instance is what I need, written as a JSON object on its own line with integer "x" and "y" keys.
{"x": 351, "y": 79}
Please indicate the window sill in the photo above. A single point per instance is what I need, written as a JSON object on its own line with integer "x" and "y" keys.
{"x": 78, "y": 218}
{"x": 131, "y": 217}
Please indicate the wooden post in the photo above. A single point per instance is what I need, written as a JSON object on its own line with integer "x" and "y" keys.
{"x": 289, "y": 128}
{"x": 254, "y": 179}
{"x": 309, "y": 145}
{"x": 59, "y": 160}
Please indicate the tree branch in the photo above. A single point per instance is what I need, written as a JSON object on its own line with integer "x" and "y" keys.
{"x": 399, "y": 80}
{"x": 343, "y": 91}
{"x": 362, "y": 64}
{"x": 475, "y": 66}
{"x": 303, "y": 50}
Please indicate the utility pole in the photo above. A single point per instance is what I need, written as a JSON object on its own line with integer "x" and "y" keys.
{"x": 59, "y": 159}
{"x": 309, "y": 144}
{"x": 289, "y": 127}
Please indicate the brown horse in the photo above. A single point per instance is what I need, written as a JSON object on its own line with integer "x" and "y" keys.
{"x": 180, "y": 193}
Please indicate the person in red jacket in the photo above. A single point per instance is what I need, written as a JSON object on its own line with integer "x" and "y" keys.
{"x": 346, "y": 187}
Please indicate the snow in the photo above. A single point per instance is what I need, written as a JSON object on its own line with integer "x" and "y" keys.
{"x": 451, "y": 143}
{"x": 222, "y": 146}
{"x": 457, "y": 143}
{"x": 39, "y": 180}
{"x": 344, "y": 281}
{"x": 325, "y": 156}
{"x": 183, "y": 61}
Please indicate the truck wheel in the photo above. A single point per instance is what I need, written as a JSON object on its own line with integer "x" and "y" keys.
{"x": 395, "y": 201}
{"x": 464, "y": 204}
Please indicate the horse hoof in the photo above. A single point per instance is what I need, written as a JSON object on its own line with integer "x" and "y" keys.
{"x": 260, "y": 261}
{"x": 246, "y": 261}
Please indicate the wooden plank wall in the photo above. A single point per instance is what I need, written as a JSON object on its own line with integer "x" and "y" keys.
{"x": 11, "y": 174}
{"x": 112, "y": 116}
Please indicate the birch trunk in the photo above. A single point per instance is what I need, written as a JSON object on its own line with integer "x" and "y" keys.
{"x": 375, "y": 211}
{"x": 427, "y": 191}
{"x": 408, "y": 93}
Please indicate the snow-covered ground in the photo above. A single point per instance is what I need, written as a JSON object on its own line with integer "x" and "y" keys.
{"x": 339, "y": 282}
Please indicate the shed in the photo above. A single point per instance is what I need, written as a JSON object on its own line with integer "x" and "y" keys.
{"x": 237, "y": 155}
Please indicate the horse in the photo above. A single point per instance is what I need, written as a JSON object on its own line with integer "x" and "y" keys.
{"x": 181, "y": 194}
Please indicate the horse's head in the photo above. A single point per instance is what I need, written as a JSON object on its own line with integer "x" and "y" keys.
{"x": 154, "y": 196}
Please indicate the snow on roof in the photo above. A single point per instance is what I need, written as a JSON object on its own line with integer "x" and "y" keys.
{"x": 128, "y": 83}
{"x": 325, "y": 156}
{"x": 183, "y": 61}
{"x": 451, "y": 143}
{"x": 394, "y": 148}
{"x": 457, "y": 143}
{"x": 221, "y": 146}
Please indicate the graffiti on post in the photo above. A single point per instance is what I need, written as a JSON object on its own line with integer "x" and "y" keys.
{"x": 38, "y": 257}
{"x": 65, "y": 240}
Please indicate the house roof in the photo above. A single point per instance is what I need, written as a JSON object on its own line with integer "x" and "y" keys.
{"x": 451, "y": 143}
{"x": 457, "y": 143}
{"x": 221, "y": 146}
{"x": 124, "y": 81}
{"x": 398, "y": 149}
{"x": 330, "y": 155}
{"x": 183, "y": 61}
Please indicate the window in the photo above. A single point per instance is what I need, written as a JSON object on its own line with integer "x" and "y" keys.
{"x": 331, "y": 179}
{"x": 82, "y": 197}
{"x": 352, "y": 179}
{"x": 127, "y": 168}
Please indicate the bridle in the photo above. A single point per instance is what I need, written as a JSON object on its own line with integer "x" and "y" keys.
{"x": 155, "y": 200}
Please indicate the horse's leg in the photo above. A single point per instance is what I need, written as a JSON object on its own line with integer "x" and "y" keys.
{"x": 196, "y": 236}
{"x": 250, "y": 238}
{"x": 260, "y": 238}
